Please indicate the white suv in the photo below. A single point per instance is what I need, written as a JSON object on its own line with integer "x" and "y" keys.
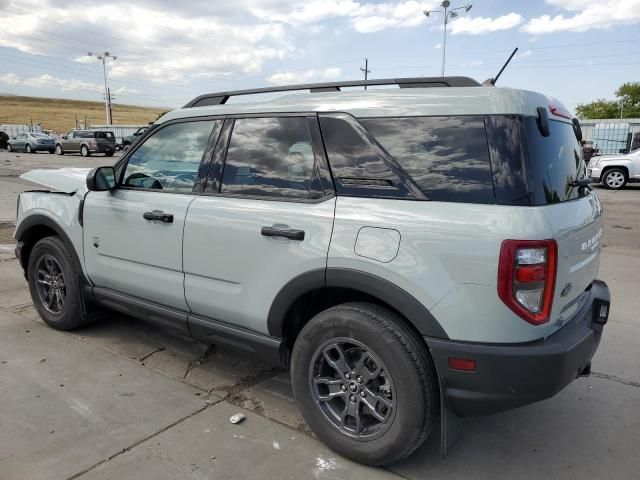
{"x": 408, "y": 252}
{"x": 615, "y": 171}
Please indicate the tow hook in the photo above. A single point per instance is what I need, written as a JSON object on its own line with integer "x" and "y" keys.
{"x": 586, "y": 371}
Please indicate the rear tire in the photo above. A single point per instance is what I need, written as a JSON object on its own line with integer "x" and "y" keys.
{"x": 59, "y": 150}
{"x": 364, "y": 339}
{"x": 614, "y": 179}
{"x": 28, "y": 149}
{"x": 84, "y": 151}
{"x": 108, "y": 154}
{"x": 55, "y": 285}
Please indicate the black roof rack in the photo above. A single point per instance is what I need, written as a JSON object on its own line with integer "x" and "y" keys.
{"x": 221, "y": 98}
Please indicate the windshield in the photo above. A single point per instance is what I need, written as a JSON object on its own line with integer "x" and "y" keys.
{"x": 554, "y": 162}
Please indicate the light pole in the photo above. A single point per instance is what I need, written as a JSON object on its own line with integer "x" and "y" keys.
{"x": 446, "y": 13}
{"x": 107, "y": 95}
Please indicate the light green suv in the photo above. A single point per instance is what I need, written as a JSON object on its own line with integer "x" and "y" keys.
{"x": 413, "y": 254}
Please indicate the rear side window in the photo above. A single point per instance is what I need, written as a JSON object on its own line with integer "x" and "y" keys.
{"x": 554, "y": 162}
{"x": 447, "y": 157}
{"x": 270, "y": 157}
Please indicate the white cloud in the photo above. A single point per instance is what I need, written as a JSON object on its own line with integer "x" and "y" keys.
{"x": 10, "y": 79}
{"x": 438, "y": 46}
{"x": 526, "y": 53}
{"x": 151, "y": 39}
{"x": 585, "y": 15}
{"x": 363, "y": 17}
{"x": 284, "y": 78}
{"x": 49, "y": 81}
{"x": 479, "y": 25}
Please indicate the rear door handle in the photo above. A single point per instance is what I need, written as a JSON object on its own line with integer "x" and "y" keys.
{"x": 290, "y": 233}
{"x": 158, "y": 215}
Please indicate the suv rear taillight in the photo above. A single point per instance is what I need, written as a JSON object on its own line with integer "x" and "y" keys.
{"x": 527, "y": 277}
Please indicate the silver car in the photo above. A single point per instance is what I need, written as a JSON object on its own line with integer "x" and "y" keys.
{"x": 615, "y": 171}
{"x": 31, "y": 142}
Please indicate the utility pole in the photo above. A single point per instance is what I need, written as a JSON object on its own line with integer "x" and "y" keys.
{"x": 103, "y": 57}
{"x": 447, "y": 14}
{"x": 366, "y": 71}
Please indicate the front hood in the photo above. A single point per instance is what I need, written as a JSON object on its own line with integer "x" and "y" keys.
{"x": 67, "y": 180}
{"x": 612, "y": 158}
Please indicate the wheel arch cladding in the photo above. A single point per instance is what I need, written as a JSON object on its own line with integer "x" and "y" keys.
{"x": 36, "y": 227}
{"x": 624, "y": 168}
{"x": 348, "y": 280}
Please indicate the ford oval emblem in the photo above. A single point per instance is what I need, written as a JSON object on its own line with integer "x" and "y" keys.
{"x": 565, "y": 290}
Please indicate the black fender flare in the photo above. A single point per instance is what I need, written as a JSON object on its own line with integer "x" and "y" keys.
{"x": 38, "y": 220}
{"x": 387, "y": 292}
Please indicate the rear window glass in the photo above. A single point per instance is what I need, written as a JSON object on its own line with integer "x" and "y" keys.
{"x": 108, "y": 135}
{"x": 447, "y": 157}
{"x": 554, "y": 162}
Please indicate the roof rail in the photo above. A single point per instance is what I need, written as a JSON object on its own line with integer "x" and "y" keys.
{"x": 221, "y": 98}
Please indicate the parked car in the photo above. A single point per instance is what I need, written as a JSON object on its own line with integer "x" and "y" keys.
{"x": 31, "y": 142}
{"x": 408, "y": 253}
{"x": 129, "y": 139}
{"x": 4, "y": 138}
{"x": 87, "y": 142}
{"x": 615, "y": 171}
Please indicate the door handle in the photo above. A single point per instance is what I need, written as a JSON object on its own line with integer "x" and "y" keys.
{"x": 290, "y": 233}
{"x": 158, "y": 215}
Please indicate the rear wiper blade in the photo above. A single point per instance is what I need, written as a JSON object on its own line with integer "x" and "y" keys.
{"x": 583, "y": 185}
{"x": 585, "y": 182}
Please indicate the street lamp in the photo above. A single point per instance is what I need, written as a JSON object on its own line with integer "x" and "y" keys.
{"x": 107, "y": 94}
{"x": 452, "y": 13}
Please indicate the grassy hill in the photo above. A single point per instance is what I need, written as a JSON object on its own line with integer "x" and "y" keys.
{"x": 59, "y": 114}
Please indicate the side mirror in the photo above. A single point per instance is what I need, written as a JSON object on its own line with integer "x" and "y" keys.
{"x": 101, "y": 179}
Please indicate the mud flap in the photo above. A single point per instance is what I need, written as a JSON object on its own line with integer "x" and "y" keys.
{"x": 450, "y": 423}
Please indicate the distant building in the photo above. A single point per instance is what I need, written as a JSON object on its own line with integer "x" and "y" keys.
{"x": 613, "y": 135}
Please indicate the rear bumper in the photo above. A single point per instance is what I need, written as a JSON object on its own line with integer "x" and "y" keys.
{"x": 104, "y": 148}
{"x": 43, "y": 147}
{"x": 509, "y": 376}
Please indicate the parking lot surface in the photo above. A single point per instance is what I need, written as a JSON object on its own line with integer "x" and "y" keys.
{"x": 124, "y": 399}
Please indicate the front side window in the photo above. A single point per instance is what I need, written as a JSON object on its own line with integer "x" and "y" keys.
{"x": 170, "y": 158}
{"x": 269, "y": 157}
{"x": 447, "y": 157}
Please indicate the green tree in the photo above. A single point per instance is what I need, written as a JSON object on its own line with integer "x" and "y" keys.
{"x": 628, "y": 93}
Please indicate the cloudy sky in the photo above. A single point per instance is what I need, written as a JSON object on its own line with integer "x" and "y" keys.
{"x": 168, "y": 52}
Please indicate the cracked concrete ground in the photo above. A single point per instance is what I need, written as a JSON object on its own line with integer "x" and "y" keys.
{"x": 123, "y": 399}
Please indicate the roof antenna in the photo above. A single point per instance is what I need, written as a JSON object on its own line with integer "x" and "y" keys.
{"x": 492, "y": 81}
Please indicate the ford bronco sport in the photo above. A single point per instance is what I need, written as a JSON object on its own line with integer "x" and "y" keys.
{"x": 409, "y": 252}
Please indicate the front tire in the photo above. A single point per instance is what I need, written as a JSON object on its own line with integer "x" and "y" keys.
{"x": 9, "y": 147}
{"x": 59, "y": 150}
{"x": 364, "y": 383}
{"x": 55, "y": 286}
{"x": 614, "y": 179}
{"x": 84, "y": 151}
